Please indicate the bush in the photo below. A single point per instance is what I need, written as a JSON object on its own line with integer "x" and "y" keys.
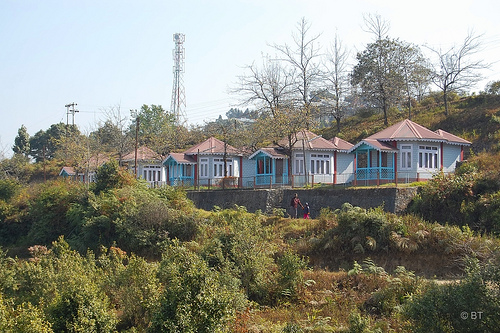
{"x": 48, "y": 209}
{"x": 8, "y": 188}
{"x": 66, "y": 287}
{"x": 240, "y": 243}
{"x": 290, "y": 277}
{"x": 442, "y": 198}
{"x": 359, "y": 230}
{"x": 455, "y": 307}
{"x": 23, "y": 318}
{"x": 110, "y": 176}
{"x": 468, "y": 197}
{"x": 196, "y": 298}
{"x": 132, "y": 283}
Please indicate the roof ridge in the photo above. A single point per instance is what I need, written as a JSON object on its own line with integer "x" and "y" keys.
{"x": 413, "y": 128}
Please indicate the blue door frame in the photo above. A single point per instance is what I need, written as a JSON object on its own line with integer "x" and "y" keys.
{"x": 268, "y": 171}
{"x": 177, "y": 174}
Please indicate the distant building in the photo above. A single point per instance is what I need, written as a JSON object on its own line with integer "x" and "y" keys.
{"x": 86, "y": 172}
{"x": 149, "y": 165}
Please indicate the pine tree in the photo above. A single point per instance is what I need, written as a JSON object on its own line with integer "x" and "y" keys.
{"x": 22, "y": 142}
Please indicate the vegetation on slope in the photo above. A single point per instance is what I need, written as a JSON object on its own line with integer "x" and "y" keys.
{"x": 123, "y": 257}
{"x": 119, "y": 256}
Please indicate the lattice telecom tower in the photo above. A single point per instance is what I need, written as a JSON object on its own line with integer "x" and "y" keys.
{"x": 178, "y": 93}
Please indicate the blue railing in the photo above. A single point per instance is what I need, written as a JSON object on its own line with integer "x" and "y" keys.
{"x": 181, "y": 181}
{"x": 268, "y": 179}
{"x": 374, "y": 173}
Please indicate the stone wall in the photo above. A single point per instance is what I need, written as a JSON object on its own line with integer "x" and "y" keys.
{"x": 393, "y": 200}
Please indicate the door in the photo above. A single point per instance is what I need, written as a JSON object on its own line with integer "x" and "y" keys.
{"x": 279, "y": 171}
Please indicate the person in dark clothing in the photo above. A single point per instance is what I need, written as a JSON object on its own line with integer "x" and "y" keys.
{"x": 294, "y": 204}
{"x": 307, "y": 211}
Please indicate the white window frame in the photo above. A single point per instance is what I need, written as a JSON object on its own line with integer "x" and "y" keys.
{"x": 320, "y": 164}
{"x": 151, "y": 173}
{"x": 428, "y": 157}
{"x": 218, "y": 164}
{"x": 298, "y": 164}
{"x": 406, "y": 157}
{"x": 203, "y": 167}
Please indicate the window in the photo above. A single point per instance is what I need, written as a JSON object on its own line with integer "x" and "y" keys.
{"x": 299, "y": 164}
{"x": 152, "y": 173}
{"x": 203, "y": 167}
{"x": 428, "y": 157}
{"x": 384, "y": 159}
{"x": 406, "y": 156}
{"x": 362, "y": 158}
{"x": 219, "y": 167}
{"x": 320, "y": 164}
{"x": 264, "y": 166}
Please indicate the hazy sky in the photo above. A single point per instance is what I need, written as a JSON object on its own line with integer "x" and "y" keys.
{"x": 109, "y": 53}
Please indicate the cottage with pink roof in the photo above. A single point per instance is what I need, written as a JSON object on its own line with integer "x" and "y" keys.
{"x": 204, "y": 164}
{"x": 149, "y": 165}
{"x": 313, "y": 159}
{"x": 406, "y": 151}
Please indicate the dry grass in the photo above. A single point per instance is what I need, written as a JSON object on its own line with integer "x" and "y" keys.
{"x": 325, "y": 305}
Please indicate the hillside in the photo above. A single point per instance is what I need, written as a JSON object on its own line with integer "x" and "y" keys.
{"x": 121, "y": 257}
{"x": 475, "y": 118}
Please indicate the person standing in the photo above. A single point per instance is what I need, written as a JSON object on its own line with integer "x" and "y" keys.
{"x": 294, "y": 205}
{"x": 307, "y": 211}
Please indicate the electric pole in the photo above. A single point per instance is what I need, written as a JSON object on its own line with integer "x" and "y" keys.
{"x": 72, "y": 111}
{"x": 136, "y": 144}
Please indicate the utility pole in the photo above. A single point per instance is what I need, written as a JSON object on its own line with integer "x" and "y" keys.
{"x": 72, "y": 111}
{"x": 68, "y": 111}
{"x": 136, "y": 144}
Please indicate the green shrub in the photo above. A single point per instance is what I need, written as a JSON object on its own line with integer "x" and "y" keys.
{"x": 292, "y": 328}
{"x": 290, "y": 277}
{"x": 132, "y": 283}
{"x": 239, "y": 242}
{"x": 8, "y": 188}
{"x": 66, "y": 287}
{"x": 442, "y": 198}
{"x": 471, "y": 305}
{"x": 47, "y": 211}
{"x": 401, "y": 285}
{"x": 196, "y": 298}
{"x": 110, "y": 176}
{"x": 23, "y": 318}
{"x": 359, "y": 230}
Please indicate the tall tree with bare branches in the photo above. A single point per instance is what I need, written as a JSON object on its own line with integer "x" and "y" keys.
{"x": 304, "y": 56}
{"x": 416, "y": 73}
{"x": 455, "y": 69}
{"x": 268, "y": 88}
{"x": 336, "y": 77}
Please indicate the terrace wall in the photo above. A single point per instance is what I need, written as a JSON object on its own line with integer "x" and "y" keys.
{"x": 394, "y": 200}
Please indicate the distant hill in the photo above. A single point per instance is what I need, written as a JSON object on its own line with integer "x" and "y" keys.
{"x": 475, "y": 118}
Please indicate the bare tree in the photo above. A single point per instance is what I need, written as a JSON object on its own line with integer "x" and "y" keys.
{"x": 378, "y": 69}
{"x": 303, "y": 56}
{"x": 454, "y": 70}
{"x": 269, "y": 88}
{"x": 112, "y": 134}
{"x": 416, "y": 73}
{"x": 376, "y": 25}
{"x": 337, "y": 78}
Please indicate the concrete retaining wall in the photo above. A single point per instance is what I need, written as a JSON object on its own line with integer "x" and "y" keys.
{"x": 393, "y": 200}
